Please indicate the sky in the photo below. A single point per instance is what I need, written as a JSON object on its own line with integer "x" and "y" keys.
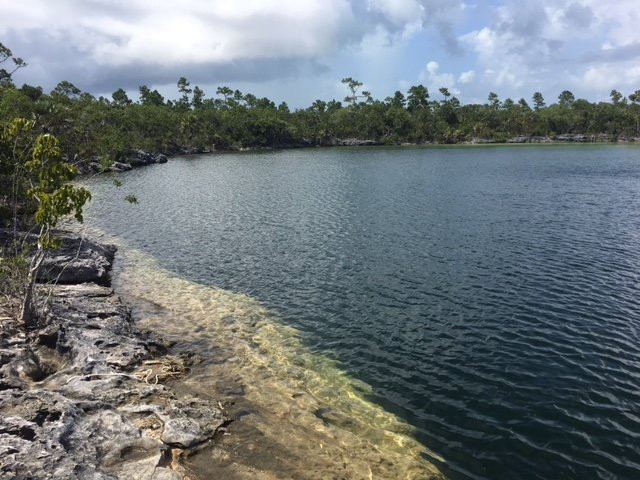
{"x": 299, "y": 50}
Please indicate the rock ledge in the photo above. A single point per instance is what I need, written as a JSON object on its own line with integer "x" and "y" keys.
{"x": 82, "y": 396}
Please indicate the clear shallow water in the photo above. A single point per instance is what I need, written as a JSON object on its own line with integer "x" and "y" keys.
{"x": 489, "y": 296}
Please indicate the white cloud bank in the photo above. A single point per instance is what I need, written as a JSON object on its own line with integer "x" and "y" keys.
{"x": 513, "y": 47}
{"x": 587, "y": 45}
{"x": 168, "y": 32}
{"x": 190, "y": 31}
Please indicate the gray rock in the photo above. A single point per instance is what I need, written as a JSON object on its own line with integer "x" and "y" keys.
{"x": 120, "y": 167}
{"x": 356, "y": 142}
{"x": 572, "y": 137}
{"x": 165, "y": 474}
{"x": 181, "y": 432}
{"x": 530, "y": 139}
{"x": 139, "y": 158}
{"x": 73, "y": 401}
{"x": 78, "y": 260}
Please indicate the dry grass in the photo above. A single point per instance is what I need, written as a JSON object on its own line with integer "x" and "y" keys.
{"x": 159, "y": 370}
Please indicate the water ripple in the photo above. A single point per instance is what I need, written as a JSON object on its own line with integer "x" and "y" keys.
{"x": 489, "y": 296}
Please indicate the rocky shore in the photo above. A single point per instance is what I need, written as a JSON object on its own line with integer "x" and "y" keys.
{"x": 87, "y": 395}
{"x": 136, "y": 158}
{"x": 141, "y": 158}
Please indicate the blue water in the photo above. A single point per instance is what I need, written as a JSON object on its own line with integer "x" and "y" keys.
{"x": 490, "y": 296}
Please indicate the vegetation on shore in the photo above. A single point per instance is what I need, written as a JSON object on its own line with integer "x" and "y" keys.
{"x": 43, "y": 136}
{"x": 89, "y": 127}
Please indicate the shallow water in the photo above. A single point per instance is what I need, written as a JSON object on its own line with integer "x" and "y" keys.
{"x": 481, "y": 300}
{"x": 296, "y": 413}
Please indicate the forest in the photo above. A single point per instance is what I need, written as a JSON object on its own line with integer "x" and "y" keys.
{"x": 89, "y": 127}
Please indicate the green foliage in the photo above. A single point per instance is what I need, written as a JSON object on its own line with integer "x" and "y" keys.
{"x": 417, "y": 97}
{"x": 354, "y": 86}
{"x": 538, "y": 100}
{"x": 88, "y": 128}
{"x": 13, "y": 64}
{"x": 48, "y": 176}
{"x": 120, "y": 98}
{"x": 150, "y": 97}
{"x": 14, "y": 269}
{"x": 38, "y": 174}
{"x": 566, "y": 98}
{"x": 33, "y": 163}
{"x": 66, "y": 89}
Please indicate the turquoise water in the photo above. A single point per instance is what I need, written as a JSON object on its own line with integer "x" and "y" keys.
{"x": 489, "y": 296}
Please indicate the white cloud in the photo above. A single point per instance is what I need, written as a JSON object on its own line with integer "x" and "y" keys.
{"x": 516, "y": 47}
{"x": 189, "y": 31}
{"x": 467, "y": 77}
{"x": 435, "y": 79}
{"x": 554, "y": 43}
{"x": 604, "y": 77}
{"x": 618, "y": 19}
{"x": 400, "y": 12}
{"x": 168, "y": 32}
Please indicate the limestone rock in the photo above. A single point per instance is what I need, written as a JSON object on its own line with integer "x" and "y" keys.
{"x": 78, "y": 260}
{"x": 139, "y": 158}
{"x": 356, "y": 142}
{"x": 74, "y": 400}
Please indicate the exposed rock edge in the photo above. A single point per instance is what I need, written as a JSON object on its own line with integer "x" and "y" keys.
{"x": 83, "y": 395}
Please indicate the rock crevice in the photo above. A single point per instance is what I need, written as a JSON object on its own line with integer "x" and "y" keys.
{"x": 78, "y": 395}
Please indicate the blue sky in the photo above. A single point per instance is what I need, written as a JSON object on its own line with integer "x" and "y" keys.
{"x": 297, "y": 51}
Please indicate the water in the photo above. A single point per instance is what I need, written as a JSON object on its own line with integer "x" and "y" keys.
{"x": 486, "y": 297}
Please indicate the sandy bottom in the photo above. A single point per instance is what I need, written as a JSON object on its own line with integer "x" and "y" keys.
{"x": 296, "y": 413}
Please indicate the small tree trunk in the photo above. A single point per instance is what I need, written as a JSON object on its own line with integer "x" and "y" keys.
{"x": 28, "y": 310}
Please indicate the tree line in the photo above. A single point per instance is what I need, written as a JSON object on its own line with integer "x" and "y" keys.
{"x": 88, "y": 126}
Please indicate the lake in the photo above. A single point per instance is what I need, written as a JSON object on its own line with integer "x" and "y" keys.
{"x": 486, "y": 297}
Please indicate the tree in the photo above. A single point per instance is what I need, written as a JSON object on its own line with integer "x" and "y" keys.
{"x": 150, "y": 97}
{"x": 183, "y": 85}
{"x": 445, "y": 93}
{"x": 566, "y": 98}
{"x": 183, "y": 88}
{"x": 284, "y": 108}
{"x": 120, "y": 98}
{"x": 354, "y": 86}
{"x": 397, "y": 101}
{"x": 48, "y": 177}
{"x": 198, "y": 97}
{"x": 417, "y": 97}
{"x": 226, "y": 92}
{"x": 616, "y": 96}
{"x": 66, "y": 89}
{"x": 494, "y": 101}
{"x": 34, "y": 93}
{"x": 635, "y": 100}
{"x": 5, "y": 56}
{"x": 538, "y": 101}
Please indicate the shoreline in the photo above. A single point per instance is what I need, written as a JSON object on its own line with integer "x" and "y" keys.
{"x": 295, "y": 414}
{"x": 87, "y": 394}
{"x": 116, "y": 389}
{"x": 141, "y": 158}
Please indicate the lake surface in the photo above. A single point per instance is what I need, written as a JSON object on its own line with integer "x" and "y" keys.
{"x": 490, "y": 297}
